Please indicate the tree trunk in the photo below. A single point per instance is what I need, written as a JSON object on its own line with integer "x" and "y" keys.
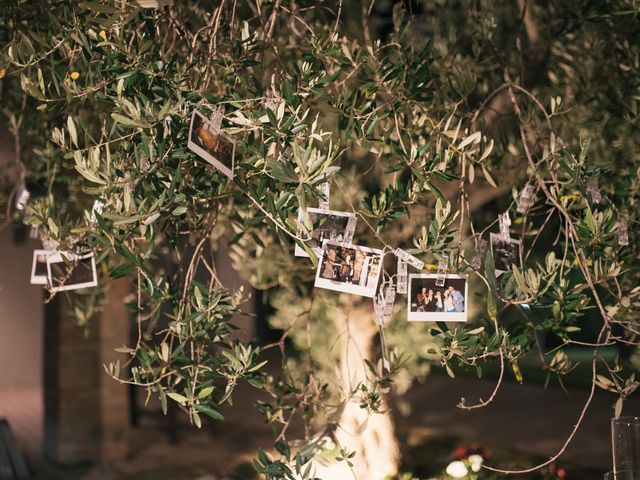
{"x": 371, "y": 437}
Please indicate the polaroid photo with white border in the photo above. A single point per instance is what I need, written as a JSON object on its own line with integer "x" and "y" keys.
{"x": 68, "y": 271}
{"x": 428, "y": 302}
{"x": 327, "y": 225}
{"x": 39, "y": 270}
{"x": 506, "y": 252}
{"x": 211, "y": 144}
{"x": 349, "y": 268}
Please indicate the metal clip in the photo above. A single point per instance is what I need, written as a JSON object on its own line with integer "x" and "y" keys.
{"x": 97, "y": 208}
{"x": 593, "y": 190}
{"x": 401, "y": 280}
{"x": 389, "y": 299}
{"x": 526, "y": 198}
{"x": 50, "y": 244}
{"x": 378, "y": 308}
{"x": 34, "y": 232}
{"x": 623, "y": 229}
{"x": 478, "y": 257}
{"x": 144, "y": 164}
{"x": 215, "y": 121}
{"x": 270, "y": 103}
{"x": 505, "y": 223}
{"x": 22, "y": 197}
{"x": 410, "y": 259}
{"x": 285, "y": 156}
{"x": 324, "y": 199}
{"x": 442, "y": 273}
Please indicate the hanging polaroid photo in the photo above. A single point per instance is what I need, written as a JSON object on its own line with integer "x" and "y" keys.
{"x": 506, "y": 252}
{"x": 211, "y": 143}
{"x": 350, "y": 269}
{"x": 327, "y": 225}
{"x": 39, "y": 266}
{"x": 429, "y": 302}
{"x": 68, "y": 271}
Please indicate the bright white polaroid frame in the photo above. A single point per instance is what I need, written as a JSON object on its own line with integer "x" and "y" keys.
{"x": 39, "y": 277}
{"x": 60, "y": 257}
{"x": 314, "y": 214}
{"x": 197, "y": 120}
{"x": 327, "y": 266}
{"x": 418, "y": 281}
{"x": 498, "y": 259}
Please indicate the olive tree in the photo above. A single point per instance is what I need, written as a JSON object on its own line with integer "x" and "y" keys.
{"x": 426, "y": 118}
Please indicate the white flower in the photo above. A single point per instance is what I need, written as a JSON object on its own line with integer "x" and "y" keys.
{"x": 475, "y": 461}
{"x": 457, "y": 469}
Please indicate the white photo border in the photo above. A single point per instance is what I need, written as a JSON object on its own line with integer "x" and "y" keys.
{"x": 56, "y": 257}
{"x": 40, "y": 279}
{"x": 351, "y": 227}
{"x": 346, "y": 287}
{"x": 194, "y": 147}
{"x": 438, "y": 316}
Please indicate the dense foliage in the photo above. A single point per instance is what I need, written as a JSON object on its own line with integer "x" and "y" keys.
{"x": 428, "y": 119}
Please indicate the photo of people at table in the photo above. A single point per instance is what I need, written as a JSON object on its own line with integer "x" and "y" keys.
{"x": 429, "y": 301}
{"x": 351, "y": 269}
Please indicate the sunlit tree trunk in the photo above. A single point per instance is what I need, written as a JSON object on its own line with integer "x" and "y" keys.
{"x": 371, "y": 437}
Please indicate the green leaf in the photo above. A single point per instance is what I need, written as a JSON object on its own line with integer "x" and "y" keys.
{"x": 449, "y": 371}
{"x": 89, "y": 175}
{"x": 125, "y": 120}
{"x": 53, "y": 228}
{"x": 205, "y": 392}
{"x": 492, "y": 308}
{"x": 210, "y": 411}
{"x": 181, "y": 399}
{"x": 283, "y": 448}
{"x": 257, "y": 367}
{"x": 73, "y": 134}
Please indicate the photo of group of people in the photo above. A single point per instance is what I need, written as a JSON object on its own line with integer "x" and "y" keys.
{"x": 506, "y": 252}
{"x": 351, "y": 269}
{"x": 327, "y": 225}
{"x": 211, "y": 144}
{"x": 430, "y": 302}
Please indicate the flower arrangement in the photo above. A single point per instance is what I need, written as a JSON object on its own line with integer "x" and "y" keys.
{"x": 467, "y": 464}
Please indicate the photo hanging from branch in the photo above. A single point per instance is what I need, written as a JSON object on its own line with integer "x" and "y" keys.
{"x": 211, "y": 143}
{"x": 506, "y": 252}
{"x": 39, "y": 267}
{"x": 68, "y": 271}
{"x": 428, "y": 302}
{"x": 351, "y": 269}
{"x": 327, "y": 225}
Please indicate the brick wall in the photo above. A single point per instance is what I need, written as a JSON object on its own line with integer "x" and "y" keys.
{"x": 86, "y": 413}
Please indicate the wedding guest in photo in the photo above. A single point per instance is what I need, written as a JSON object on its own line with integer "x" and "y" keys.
{"x": 448, "y": 302}
{"x": 364, "y": 270}
{"x": 329, "y": 264}
{"x": 345, "y": 268}
{"x": 457, "y": 298}
{"x": 430, "y": 302}
{"x": 439, "y": 302}
{"x": 350, "y": 272}
{"x": 421, "y": 300}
